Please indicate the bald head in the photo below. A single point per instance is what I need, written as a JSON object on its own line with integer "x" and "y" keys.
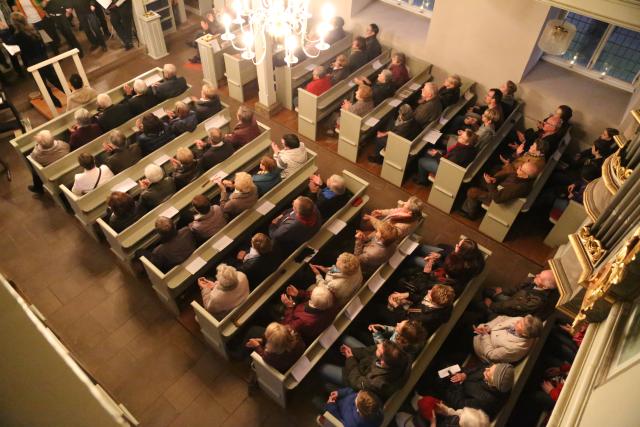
{"x": 545, "y": 280}
{"x": 528, "y": 170}
{"x": 429, "y": 90}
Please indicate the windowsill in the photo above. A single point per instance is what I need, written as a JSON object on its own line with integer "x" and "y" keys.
{"x": 424, "y": 13}
{"x": 595, "y": 75}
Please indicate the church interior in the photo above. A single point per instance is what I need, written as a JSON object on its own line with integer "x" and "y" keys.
{"x": 346, "y": 213}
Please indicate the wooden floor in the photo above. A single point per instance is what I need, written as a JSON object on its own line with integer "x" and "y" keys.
{"x": 156, "y": 365}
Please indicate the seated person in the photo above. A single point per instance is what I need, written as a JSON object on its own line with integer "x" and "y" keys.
{"x": 268, "y": 176}
{"x": 91, "y": 177}
{"x": 398, "y": 68}
{"x": 573, "y": 191}
{"x": 209, "y": 103}
{"x": 208, "y": 25}
{"x": 536, "y": 154}
{"x": 358, "y": 56}
{"x": 320, "y": 83}
{"x": 382, "y": 369}
{"x": 343, "y": 279}
{"x": 155, "y": 188}
{"x": 465, "y": 417}
{"x": 185, "y": 168}
{"x": 408, "y": 334}
{"x": 208, "y": 219}
{"x": 310, "y": 316}
{"x": 537, "y": 296}
{"x": 110, "y": 116}
{"x": 403, "y": 218}
{"x": 46, "y": 151}
{"x": 601, "y": 148}
{"x": 296, "y": 225}
{"x": 381, "y": 89}
{"x": 372, "y": 45}
{"x": 549, "y": 133}
{"x": 404, "y": 126}
{"x": 484, "y": 387}
{"x": 244, "y": 195}
{"x": 362, "y": 106}
{"x": 449, "y": 92}
{"x": 80, "y": 93}
{"x": 122, "y": 211}
{"x": 120, "y": 155}
{"x": 376, "y": 248}
{"x": 139, "y": 98}
{"x": 230, "y": 289}
{"x": 291, "y": 157}
{"x": 245, "y": 131}
{"x": 339, "y": 69}
{"x": 175, "y": 246}
{"x": 259, "y": 262}
{"x": 487, "y": 129}
{"x": 214, "y": 150}
{"x": 171, "y": 85}
{"x": 429, "y": 106}
{"x": 462, "y": 154}
{"x": 84, "y": 130}
{"x": 493, "y": 101}
{"x": 506, "y": 339}
{"x": 514, "y": 185}
{"x": 280, "y": 348}
{"x": 354, "y": 408}
{"x": 508, "y": 90}
{"x": 153, "y": 133}
{"x": 329, "y": 198}
{"x": 337, "y": 32}
{"x": 182, "y": 119}
{"x": 431, "y": 311}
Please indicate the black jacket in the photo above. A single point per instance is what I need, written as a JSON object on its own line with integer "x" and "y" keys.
{"x": 178, "y": 126}
{"x": 170, "y": 88}
{"x": 138, "y": 104}
{"x": 462, "y": 154}
{"x": 382, "y": 91}
{"x": 32, "y": 49}
{"x": 408, "y": 129}
{"x": 356, "y": 60}
{"x": 172, "y": 252}
{"x": 474, "y": 392}
{"x": 526, "y": 299}
{"x": 430, "y": 317}
{"x": 207, "y": 108}
{"x": 112, "y": 117}
{"x": 372, "y": 48}
{"x": 448, "y": 96}
{"x": 123, "y": 158}
{"x": 156, "y": 193}
{"x": 361, "y": 372}
{"x": 151, "y": 142}
{"x": 259, "y": 268}
{"x": 215, "y": 155}
{"x": 328, "y": 207}
{"x": 185, "y": 174}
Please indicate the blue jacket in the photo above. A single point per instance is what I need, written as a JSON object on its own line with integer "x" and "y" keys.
{"x": 345, "y": 410}
{"x": 267, "y": 181}
{"x": 179, "y": 126}
{"x": 149, "y": 143}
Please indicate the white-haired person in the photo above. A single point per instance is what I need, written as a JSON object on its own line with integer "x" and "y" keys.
{"x": 110, "y": 115}
{"x": 92, "y": 176}
{"x": 403, "y": 218}
{"x": 429, "y": 105}
{"x": 208, "y": 104}
{"x": 155, "y": 187}
{"x": 171, "y": 85}
{"x": 310, "y": 314}
{"x": 362, "y": 106}
{"x": 139, "y": 97}
{"x": 330, "y": 196}
{"x": 280, "y": 346}
{"x": 382, "y": 88}
{"x": 506, "y": 339}
{"x": 243, "y": 196}
{"x": 442, "y": 415}
{"x": 230, "y": 289}
{"x": 84, "y": 130}
{"x": 46, "y": 151}
{"x": 343, "y": 279}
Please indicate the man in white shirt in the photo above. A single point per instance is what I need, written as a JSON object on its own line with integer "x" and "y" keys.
{"x": 92, "y": 177}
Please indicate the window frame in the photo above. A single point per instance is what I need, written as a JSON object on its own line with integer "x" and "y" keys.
{"x": 416, "y": 10}
{"x": 588, "y": 69}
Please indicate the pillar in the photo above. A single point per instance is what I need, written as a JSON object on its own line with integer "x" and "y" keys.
{"x": 153, "y": 36}
{"x": 267, "y": 103}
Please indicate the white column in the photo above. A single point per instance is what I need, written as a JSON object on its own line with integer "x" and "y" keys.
{"x": 182, "y": 13}
{"x": 267, "y": 101}
{"x": 153, "y": 35}
{"x": 211, "y": 59}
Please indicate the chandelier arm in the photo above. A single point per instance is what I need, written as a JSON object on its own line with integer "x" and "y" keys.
{"x": 309, "y": 54}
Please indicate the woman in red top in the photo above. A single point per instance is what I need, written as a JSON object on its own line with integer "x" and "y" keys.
{"x": 321, "y": 81}
{"x": 398, "y": 68}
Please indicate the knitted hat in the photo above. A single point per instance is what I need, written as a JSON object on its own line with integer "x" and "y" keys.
{"x": 503, "y": 377}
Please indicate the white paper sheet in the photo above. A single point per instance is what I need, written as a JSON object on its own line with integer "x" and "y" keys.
{"x": 216, "y": 121}
{"x": 443, "y": 120}
{"x": 12, "y": 49}
{"x": 170, "y": 212}
{"x": 119, "y": 2}
{"x": 222, "y": 243}
{"x": 301, "y": 368}
{"x": 162, "y": 160}
{"x": 351, "y": 84}
{"x": 336, "y": 226}
{"x": 265, "y": 207}
{"x": 375, "y": 282}
{"x": 219, "y": 175}
{"x": 556, "y": 156}
{"x": 310, "y": 67}
{"x": 396, "y": 259}
{"x": 354, "y": 308}
{"x": 195, "y": 265}
{"x": 160, "y": 113}
{"x": 444, "y": 373}
{"x": 124, "y": 186}
{"x": 376, "y": 64}
{"x": 432, "y": 136}
{"x": 187, "y": 100}
{"x": 415, "y": 86}
{"x": 371, "y": 122}
{"x": 395, "y": 102}
{"x": 408, "y": 246}
{"x": 215, "y": 45}
{"x": 153, "y": 79}
{"x": 329, "y": 336}
{"x": 104, "y": 3}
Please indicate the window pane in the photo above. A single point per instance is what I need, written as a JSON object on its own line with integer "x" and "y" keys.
{"x": 620, "y": 57}
{"x": 589, "y": 31}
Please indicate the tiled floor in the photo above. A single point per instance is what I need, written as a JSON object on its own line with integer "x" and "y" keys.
{"x": 156, "y": 365}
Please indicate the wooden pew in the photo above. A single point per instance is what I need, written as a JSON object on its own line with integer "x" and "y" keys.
{"x": 239, "y": 72}
{"x": 399, "y": 151}
{"x": 275, "y": 384}
{"x": 570, "y": 220}
{"x": 173, "y": 282}
{"x": 450, "y": 177}
{"x": 89, "y": 207}
{"x": 218, "y": 332}
{"x": 430, "y": 350}
{"x": 312, "y": 108}
{"x": 142, "y": 233}
{"x": 500, "y": 217}
{"x": 58, "y": 125}
{"x": 63, "y": 170}
{"x": 354, "y": 129}
{"x": 289, "y": 79}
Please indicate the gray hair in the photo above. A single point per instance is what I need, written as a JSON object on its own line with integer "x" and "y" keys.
{"x": 415, "y": 205}
{"x": 431, "y": 88}
{"x": 44, "y": 139}
{"x": 406, "y": 112}
{"x": 319, "y": 71}
{"x": 387, "y": 74}
{"x": 321, "y": 298}
{"x": 169, "y": 70}
{"x": 117, "y": 138}
{"x": 245, "y": 115}
{"x": 82, "y": 116}
{"x": 154, "y": 173}
{"x": 336, "y": 184}
{"x": 532, "y": 326}
{"x": 227, "y": 276}
{"x": 104, "y": 101}
{"x": 139, "y": 86}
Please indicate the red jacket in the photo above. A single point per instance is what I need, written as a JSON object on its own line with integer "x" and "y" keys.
{"x": 309, "y": 322}
{"x": 319, "y": 86}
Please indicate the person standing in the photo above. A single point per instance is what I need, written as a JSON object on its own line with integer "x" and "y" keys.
{"x": 58, "y": 12}
{"x": 122, "y": 21}
{"x": 89, "y": 23}
{"x": 37, "y": 17}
